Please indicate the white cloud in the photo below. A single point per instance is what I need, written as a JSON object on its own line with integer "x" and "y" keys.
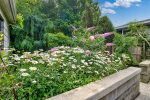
{"x": 125, "y": 3}
{"x": 118, "y": 3}
{"x": 108, "y": 11}
{"x": 121, "y": 3}
{"x": 108, "y": 4}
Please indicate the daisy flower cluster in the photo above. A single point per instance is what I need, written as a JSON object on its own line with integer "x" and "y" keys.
{"x": 60, "y": 69}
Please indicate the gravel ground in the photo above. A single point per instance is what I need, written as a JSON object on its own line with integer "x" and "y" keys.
{"x": 144, "y": 92}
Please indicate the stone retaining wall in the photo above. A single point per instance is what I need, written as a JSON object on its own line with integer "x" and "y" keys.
{"x": 145, "y": 74}
{"x": 123, "y": 85}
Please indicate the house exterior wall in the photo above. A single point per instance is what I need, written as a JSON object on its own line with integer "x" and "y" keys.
{"x": 125, "y": 30}
{"x": 148, "y": 30}
{"x": 5, "y": 30}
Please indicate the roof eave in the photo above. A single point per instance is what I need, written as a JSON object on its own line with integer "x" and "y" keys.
{"x": 121, "y": 27}
{"x": 9, "y": 9}
{"x": 145, "y": 22}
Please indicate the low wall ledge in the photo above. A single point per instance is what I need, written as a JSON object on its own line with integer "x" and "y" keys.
{"x": 98, "y": 89}
{"x": 145, "y": 63}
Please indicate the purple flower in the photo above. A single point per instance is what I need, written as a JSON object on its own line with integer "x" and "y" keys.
{"x": 107, "y": 34}
{"x": 104, "y": 35}
{"x": 109, "y": 44}
{"x": 54, "y": 49}
{"x": 92, "y": 38}
{"x": 90, "y": 29}
{"x": 97, "y": 35}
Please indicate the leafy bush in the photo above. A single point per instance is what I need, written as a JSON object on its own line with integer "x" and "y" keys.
{"x": 123, "y": 43}
{"x": 87, "y": 44}
{"x": 41, "y": 75}
{"x": 27, "y": 43}
{"x": 1, "y": 39}
{"x": 139, "y": 31}
{"x": 82, "y": 38}
{"x": 58, "y": 39}
{"x": 28, "y": 34}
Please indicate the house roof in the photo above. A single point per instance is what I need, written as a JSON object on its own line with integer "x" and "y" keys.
{"x": 145, "y": 22}
{"x": 9, "y": 9}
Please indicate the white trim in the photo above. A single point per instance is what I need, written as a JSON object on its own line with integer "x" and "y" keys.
{"x": 147, "y": 21}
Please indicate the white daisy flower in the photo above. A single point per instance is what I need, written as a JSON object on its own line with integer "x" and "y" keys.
{"x": 17, "y": 58}
{"x": 96, "y": 72}
{"x": 82, "y": 66}
{"x": 74, "y": 60}
{"x": 65, "y": 72}
{"x": 41, "y": 62}
{"x": 33, "y": 81}
{"x": 23, "y": 70}
{"x": 25, "y": 74}
{"x": 90, "y": 62}
{"x": 34, "y": 62}
{"x": 33, "y": 68}
{"x": 73, "y": 66}
{"x": 82, "y": 61}
{"x": 85, "y": 63}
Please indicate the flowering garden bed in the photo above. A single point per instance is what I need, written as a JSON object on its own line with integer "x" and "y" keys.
{"x": 46, "y": 74}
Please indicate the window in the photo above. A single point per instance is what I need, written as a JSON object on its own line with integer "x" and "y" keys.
{"x": 1, "y": 24}
{"x": 1, "y": 32}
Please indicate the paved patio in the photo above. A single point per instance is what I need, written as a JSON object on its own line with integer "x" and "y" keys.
{"x": 144, "y": 92}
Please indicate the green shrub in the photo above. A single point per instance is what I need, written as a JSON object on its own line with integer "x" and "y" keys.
{"x": 123, "y": 43}
{"x": 27, "y": 44}
{"x": 1, "y": 38}
{"x": 82, "y": 39}
{"x": 58, "y": 39}
{"x": 86, "y": 44}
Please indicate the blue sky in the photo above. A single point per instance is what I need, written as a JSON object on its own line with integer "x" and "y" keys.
{"x": 123, "y": 11}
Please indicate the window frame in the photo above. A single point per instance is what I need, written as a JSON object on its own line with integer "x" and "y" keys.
{"x": 2, "y": 31}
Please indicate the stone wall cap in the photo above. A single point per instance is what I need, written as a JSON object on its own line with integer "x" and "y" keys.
{"x": 145, "y": 63}
{"x": 100, "y": 88}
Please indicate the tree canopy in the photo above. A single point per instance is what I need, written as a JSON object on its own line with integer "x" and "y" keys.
{"x": 54, "y": 16}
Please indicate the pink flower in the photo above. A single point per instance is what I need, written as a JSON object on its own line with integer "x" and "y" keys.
{"x": 104, "y": 35}
{"x": 92, "y": 38}
{"x": 90, "y": 29}
{"x": 88, "y": 52}
{"x": 54, "y": 49}
{"x": 107, "y": 34}
{"x": 109, "y": 44}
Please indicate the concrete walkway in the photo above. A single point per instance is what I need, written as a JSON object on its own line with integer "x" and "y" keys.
{"x": 144, "y": 92}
